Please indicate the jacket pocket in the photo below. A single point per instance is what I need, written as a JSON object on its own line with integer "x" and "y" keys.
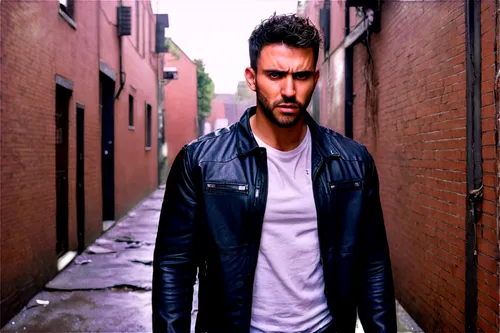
{"x": 350, "y": 185}
{"x": 214, "y": 187}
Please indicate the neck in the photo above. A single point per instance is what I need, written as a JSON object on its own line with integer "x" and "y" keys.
{"x": 281, "y": 138}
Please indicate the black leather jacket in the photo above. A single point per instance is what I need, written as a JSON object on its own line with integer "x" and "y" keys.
{"x": 211, "y": 220}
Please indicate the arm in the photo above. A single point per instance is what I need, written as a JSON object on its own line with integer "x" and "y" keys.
{"x": 376, "y": 306}
{"x": 174, "y": 265}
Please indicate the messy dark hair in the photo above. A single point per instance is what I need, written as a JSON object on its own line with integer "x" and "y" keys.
{"x": 289, "y": 29}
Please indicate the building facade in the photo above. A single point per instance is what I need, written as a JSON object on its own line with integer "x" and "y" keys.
{"x": 180, "y": 102}
{"x": 415, "y": 82}
{"x": 78, "y": 132}
{"x": 217, "y": 118}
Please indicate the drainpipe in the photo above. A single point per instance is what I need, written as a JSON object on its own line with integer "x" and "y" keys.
{"x": 497, "y": 122}
{"x": 474, "y": 159}
{"x": 348, "y": 70}
{"x": 122, "y": 74}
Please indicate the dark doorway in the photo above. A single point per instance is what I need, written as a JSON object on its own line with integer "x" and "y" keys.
{"x": 62, "y": 106}
{"x": 106, "y": 101}
{"x": 80, "y": 189}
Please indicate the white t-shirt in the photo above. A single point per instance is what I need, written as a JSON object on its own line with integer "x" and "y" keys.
{"x": 288, "y": 291}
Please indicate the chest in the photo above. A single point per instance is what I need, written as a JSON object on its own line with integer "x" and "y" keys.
{"x": 240, "y": 194}
{"x": 290, "y": 194}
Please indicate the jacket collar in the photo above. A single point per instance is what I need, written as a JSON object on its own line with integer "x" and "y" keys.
{"x": 246, "y": 143}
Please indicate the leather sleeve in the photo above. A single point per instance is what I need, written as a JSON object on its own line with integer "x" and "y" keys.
{"x": 376, "y": 304}
{"x": 174, "y": 264}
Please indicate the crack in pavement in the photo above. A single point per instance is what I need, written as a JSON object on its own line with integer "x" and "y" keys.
{"x": 116, "y": 287}
{"x": 144, "y": 262}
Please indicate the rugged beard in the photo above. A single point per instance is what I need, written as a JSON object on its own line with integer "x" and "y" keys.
{"x": 268, "y": 108}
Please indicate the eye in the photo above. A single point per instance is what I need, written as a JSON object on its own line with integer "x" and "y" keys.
{"x": 275, "y": 75}
{"x": 302, "y": 75}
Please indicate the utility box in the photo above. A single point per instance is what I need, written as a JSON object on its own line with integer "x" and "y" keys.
{"x": 161, "y": 25}
{"x": 124, "y": 18}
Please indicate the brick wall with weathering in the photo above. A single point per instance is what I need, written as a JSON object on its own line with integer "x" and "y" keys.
{"x": 488, "y": 254}
{"x": 180, "y": 104}
{"x": 32, "y": 55}
{"x": 418, "y": 140}
{"x": 417, "y": 137}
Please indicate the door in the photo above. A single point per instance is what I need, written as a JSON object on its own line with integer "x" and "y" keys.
{"x": 107, "y": 91}
{"x": 62, "y": 104}
{"x": 80, "y": 189}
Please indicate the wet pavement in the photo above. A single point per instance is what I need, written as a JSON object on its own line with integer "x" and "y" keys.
{"x": 105, "y": 289}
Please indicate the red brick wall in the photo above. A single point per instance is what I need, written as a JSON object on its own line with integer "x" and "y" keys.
{"x": 31, "y": 57}
{"x": 419, "y": 147}
{"x": 488, "y": 283}
{"x": 136, "y": 173}
{"x": 181, "y": 105}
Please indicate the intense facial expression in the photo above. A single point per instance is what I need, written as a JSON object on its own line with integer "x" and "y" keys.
{"x": 284, "y": 82}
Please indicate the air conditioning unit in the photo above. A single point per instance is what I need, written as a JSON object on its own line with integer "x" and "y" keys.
{"x": 124, "y": 15}
{"x": 170, "y": 73}
{"x": 161, "y": 24}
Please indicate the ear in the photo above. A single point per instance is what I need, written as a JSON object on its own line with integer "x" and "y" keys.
{"x": 250, "y": 77}
{"x": 316, "y": 77}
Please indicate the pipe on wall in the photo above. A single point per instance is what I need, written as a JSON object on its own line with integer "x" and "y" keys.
{"x": 497, "y": 119}
{"x": 122, "y": 73}
{"x": 348, "y": 78}
{"x": 474, "y": 170}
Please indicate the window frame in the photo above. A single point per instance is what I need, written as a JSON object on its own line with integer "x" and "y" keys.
{"x": 148, "y": 122}
{"x": 131, "y": 115}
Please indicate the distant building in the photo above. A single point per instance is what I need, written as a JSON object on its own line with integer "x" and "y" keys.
{"x": 217, "y": 114}
{"x": 180, "y": 102}
{"x": 233, "y": 109}
{"x": 79, "y": 120}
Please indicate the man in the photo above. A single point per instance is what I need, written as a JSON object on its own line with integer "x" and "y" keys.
{"x": 281, "y": 217}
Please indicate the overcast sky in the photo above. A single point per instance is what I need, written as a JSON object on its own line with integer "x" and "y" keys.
{"x": 217, "y": 31}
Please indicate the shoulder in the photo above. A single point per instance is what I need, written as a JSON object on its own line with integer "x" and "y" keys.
{"x": 219, "y": 145}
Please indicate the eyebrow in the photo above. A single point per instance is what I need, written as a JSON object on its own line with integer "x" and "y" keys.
{"x": 267, "y": 71}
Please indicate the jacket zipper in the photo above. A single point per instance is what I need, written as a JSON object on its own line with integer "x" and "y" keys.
{"x": 348, "y": 185}
{"x": 227, "y": 187}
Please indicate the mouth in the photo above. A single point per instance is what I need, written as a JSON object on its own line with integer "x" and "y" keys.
{"x": 288, "y": 108}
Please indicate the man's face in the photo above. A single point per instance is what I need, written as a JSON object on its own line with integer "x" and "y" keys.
{"x": 284, "y": 82}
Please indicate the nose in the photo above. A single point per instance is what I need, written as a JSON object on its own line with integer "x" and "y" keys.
{"x": 288, "y": 87}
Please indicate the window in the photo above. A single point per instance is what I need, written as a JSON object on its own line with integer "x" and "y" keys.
{"x": 68, "y": 7}
{"x": 130, "y": 112}
{"x": 148, "y": 126}
{"x": 137, "y": 24}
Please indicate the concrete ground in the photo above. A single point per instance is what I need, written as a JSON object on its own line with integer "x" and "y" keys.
{"x": 105, "y": 289}
{"x": 108, "y": 287}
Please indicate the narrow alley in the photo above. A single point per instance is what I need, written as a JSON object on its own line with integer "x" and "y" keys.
{"x": 105, "y": 289}
{"x": 99, "y": 97}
